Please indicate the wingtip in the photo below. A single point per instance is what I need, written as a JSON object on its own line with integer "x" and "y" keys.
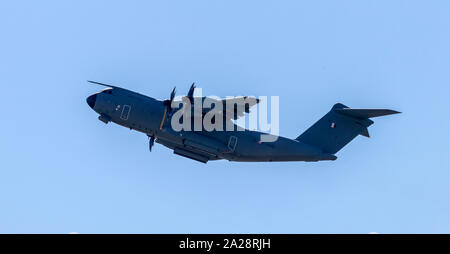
{"x": 103, "y": 84}
{"x": 97, "y": 83}
{"x": 392, "y": 112}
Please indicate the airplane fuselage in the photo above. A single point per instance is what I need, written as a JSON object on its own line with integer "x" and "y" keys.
{"x": 149, "y": 116}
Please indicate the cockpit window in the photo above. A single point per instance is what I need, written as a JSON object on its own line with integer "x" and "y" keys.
{"x": 109, "y": 91}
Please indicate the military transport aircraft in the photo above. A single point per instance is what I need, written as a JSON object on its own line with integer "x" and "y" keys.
{"x": 153, "y": 117}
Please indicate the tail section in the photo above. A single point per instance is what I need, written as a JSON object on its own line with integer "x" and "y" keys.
{"x": 340, "y": 126}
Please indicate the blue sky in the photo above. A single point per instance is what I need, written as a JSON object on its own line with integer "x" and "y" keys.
{"x": 64, "y": 171}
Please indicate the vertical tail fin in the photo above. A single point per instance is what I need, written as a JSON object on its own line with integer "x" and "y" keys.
{"x": 340, "y": 126}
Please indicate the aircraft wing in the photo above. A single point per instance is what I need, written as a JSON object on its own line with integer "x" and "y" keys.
{"x": 237, "y": 106}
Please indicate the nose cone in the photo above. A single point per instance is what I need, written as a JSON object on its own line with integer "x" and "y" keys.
{"x": 91, "y": 100}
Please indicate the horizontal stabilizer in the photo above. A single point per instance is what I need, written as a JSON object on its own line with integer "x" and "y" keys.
{"x": 365, "y": 113}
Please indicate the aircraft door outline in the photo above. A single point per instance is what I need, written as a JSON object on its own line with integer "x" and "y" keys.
{"x": 232, "y": 142}
{"x": 125, "y": 112}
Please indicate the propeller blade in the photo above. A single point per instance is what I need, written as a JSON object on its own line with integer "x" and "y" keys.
{"x": 190, "y": 94}
{"x": 151, "y": 142}
{"x": 168, "y": 103}
{"x": 172, "y": 94}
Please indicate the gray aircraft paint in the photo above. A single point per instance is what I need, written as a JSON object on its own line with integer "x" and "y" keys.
{"x": 148, "y": 115}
